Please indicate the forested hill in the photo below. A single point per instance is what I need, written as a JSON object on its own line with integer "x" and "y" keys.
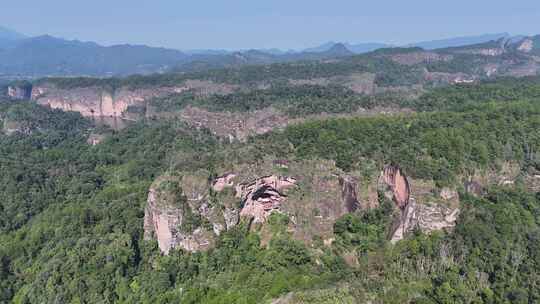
{"x": 50, "y": 56}
{"x": 439, "y": 204}
{"x": 254, "y": 99}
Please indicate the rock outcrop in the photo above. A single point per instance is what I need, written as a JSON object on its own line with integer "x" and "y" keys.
{"x": 349, "y": 194}
{"x": 411, "y": 214}
{"x": 398, "y": 186}
{"x": 263, "y": 196}
{"x": 189, "y": 212}
{"x": 96, "y": 101}
{"x": 181, "y": 213}
{"x": 427, "y": 218}
{"x": 20, "y": 92}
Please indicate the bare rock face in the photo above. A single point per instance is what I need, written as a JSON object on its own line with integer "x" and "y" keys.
{"x": 263, "y": 196}
{"x": 526, "y": 46}
{"x": 96, "y": 101}
{"x": 427, "y": 218}
{"x": 20, "y": 92}
{"x": 313, "y": 194}
{"x": 397, "y": 184}
{"x": 181, "y": 213}
{"x": 411, "y": 215}
{"x": 348, "y": 193}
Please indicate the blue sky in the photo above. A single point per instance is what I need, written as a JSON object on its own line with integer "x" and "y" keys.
{"x": 240, "y": 24}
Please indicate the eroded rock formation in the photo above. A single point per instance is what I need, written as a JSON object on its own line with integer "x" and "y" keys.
{"x": 348, "y": 193}
{"x": 180, "y": 213}
{"x": 427, "y": 218}
{"x": 20, "y": 92}
{"x": 526, "y": 45}
{"x": 189, "y": 211}
{"x": 412, "y": 214}
{"x": 398, "y": 185}
{"x": 263, "y": 196}
{"x": 96, "y": 101}
{"x": 314, "y": 195}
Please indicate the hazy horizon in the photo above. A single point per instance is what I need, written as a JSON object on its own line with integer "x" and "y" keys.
{"x": 242, "y": 24}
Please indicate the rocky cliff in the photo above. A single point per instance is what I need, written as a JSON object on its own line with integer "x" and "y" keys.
{"x": 182, "y": 213}
{"x": 96, "y": 101}
{"x": 188, "y": 212}
{"x": 20, "y": 92}
{"x": 416, "y": 207}
{"x": 313, "y": 196}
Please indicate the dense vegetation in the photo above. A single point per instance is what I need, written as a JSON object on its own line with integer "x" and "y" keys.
{"x": 437, "y": 146}
{"x": 295, "y": 101}
{"x": 71, "y": 214}
{"x": 389, "y": 73}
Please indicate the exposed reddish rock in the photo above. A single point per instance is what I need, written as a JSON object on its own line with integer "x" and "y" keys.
{"x": 176, "y": 209}
{"x": 263, "y": 196}
{"x": 411, "y": 214}
{"x": 223, "y": 182}
{"x": 399, "y": 185}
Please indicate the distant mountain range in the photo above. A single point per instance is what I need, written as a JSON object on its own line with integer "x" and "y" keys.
{"x": 50, "y": 56}
{"x": 9, "y": 37}
{"x": 459, "y": 41}
{"x": 355, "y": 48}
{"x": 46, "y": 55}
